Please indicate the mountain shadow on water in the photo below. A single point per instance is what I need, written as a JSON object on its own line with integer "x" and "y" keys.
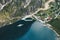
{"x": 11, "y": 32}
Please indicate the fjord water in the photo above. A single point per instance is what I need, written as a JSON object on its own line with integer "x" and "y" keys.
{"x": 30, "y": 30}
{"x": 13, "y": 31}
{"x": 39, "y": 32}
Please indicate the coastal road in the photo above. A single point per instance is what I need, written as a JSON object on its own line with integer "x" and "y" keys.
{"x": 39, "y": 9}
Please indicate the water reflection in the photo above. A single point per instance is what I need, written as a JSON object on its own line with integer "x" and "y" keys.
{"x": 30, "y": 30}
{"x": 11, "y": 32}
{"x": 39, "y": 32}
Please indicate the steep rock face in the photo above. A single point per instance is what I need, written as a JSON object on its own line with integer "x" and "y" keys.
{"x": 13, "y": 10}
{"x": 4, "y": 1}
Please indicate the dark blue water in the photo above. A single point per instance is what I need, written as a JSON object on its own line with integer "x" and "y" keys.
{"x": 31, "y": 30}
{"x": 12, "y": 32}
{"x": 39, "y": 32}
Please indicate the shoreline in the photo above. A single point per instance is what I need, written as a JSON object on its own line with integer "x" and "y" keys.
{"x": 50, "y": 27}
{"x": 45, "y": 8}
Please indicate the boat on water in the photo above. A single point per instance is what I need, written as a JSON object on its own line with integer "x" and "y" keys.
{"x": 30, "y": 30}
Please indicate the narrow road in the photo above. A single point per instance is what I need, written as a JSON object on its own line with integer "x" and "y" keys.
{"x": 39, "y": 9}
{"x": 45, "y": 8}
{"x": 28, "y": 2}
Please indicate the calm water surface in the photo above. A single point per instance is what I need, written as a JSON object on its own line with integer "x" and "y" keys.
{"x": 30, "y": 30}
{"x": 39, "y": 32}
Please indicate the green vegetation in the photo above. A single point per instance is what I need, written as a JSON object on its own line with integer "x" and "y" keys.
{"x": 11, "y": 11}
{"x": 56, "y": 24}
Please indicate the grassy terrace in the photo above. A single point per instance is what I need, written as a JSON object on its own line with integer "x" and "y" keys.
{"x": 56, "y": 24}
